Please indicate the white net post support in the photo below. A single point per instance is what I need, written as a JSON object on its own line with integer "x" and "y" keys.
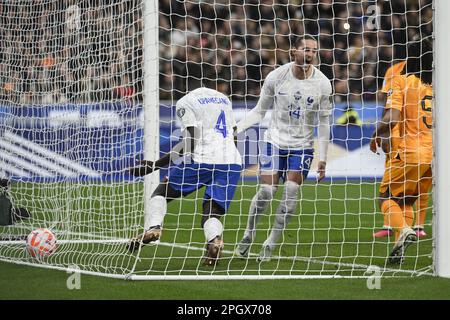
{"x": 151, "y": 93}
{"x": 442, "y": 132}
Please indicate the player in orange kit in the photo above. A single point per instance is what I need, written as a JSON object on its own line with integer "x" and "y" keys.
{"x": 409, "y": 105}
{"x": 390, "y": 145}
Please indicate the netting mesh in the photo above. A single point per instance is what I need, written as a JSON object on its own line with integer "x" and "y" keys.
{"x": 71, "y": 123}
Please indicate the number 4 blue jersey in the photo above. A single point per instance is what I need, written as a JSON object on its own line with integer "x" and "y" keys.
{"x": 210, "y": 112}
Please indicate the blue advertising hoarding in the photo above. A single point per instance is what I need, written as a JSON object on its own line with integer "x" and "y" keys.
{"x": 101, "y": 141}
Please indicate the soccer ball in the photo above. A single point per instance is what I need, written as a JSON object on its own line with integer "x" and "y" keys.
{"x": 41, "y": 243}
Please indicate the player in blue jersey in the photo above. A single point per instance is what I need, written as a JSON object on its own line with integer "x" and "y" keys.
{"x": 211, "y": 160}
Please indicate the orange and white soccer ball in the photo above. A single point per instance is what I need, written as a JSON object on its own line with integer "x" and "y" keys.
{"x": 41, "y": 243}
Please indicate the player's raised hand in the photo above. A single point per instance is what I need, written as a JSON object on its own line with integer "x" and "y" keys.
{"x": 145, "y": 167}
{"x": 374, "y": 144}
{"x": 321, "y": 170}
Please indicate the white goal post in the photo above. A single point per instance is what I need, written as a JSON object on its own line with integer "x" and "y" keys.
{"x": 88, "y": 89}
{"x": 442, "y": 131}
{"x": 151, "y": 92}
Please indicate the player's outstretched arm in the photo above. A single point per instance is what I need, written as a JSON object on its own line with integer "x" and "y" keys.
{"x": 265, "y": 102}
{"x": 255, "y": 115}
{"x": 146, "y": 166}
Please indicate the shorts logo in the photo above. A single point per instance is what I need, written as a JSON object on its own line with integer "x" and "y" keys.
{"x": 389, "y": 92}
{"x": 181, "y": 112}
{"x": 307, "y": 163}
{"x": 297, "y": 96}
{"x": 264, "y": 159}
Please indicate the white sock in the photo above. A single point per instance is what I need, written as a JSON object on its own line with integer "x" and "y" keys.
{"x": 158, "y": 209}
{"x": 285, "y": 211}
{"x": 212, "y": 228}
{"x": 259, "y": 205}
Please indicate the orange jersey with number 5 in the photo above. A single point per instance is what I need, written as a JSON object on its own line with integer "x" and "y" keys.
{"x": 414, "y": 100}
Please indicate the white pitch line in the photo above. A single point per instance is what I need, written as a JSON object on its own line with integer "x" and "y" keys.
{"x": 182, "y": 277}
{"x": 296, "y": 258}
{"x": 78, "y": 241}
{"x": 188, "y": 247}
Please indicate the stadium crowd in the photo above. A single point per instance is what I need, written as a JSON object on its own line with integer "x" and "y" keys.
{"x": 92, "y": 51}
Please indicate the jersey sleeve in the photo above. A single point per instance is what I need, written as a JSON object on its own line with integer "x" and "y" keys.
{"x": 268, "y": 88}
{"x": 396, "y": 95}
{"x": 389, "y": 76}
{"x": 265, "y": 101}
{"x": 267, "y": 96}
{"x": 387, "y": 81}
{"x": 326, "y": 99}
{"x": 185, "y": 114}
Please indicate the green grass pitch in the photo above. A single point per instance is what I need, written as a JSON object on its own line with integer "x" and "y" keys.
{"x": 330, "y": 235}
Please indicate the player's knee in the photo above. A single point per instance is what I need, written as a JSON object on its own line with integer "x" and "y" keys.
{"x": 266, "y": 192}
{"x": 382, "y": 197}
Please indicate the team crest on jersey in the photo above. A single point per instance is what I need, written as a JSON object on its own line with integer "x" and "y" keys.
{"x": 264, "y": 159}
{"x": 309, "y": 102}
{"x": 297, "y": 96}
{"x": 181, "y": 112}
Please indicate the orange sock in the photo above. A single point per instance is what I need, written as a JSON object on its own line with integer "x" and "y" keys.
{"x": 394, "y": 212}
{"x": 409, "y": 214}
{"x": 421, "y": 212}
{"x": 386, "y": 221}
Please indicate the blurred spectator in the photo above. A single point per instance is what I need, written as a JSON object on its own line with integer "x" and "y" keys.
{"x": 349, "y": 116}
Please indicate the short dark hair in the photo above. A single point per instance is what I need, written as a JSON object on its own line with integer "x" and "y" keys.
{"x": 419, "y": 61}
{"x": 299, "y": 39}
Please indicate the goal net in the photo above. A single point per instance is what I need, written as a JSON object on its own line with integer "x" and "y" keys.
{"x": 74, "y": 113}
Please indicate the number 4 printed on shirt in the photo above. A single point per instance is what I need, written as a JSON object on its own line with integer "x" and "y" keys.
{"x": 221, "y": 125}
